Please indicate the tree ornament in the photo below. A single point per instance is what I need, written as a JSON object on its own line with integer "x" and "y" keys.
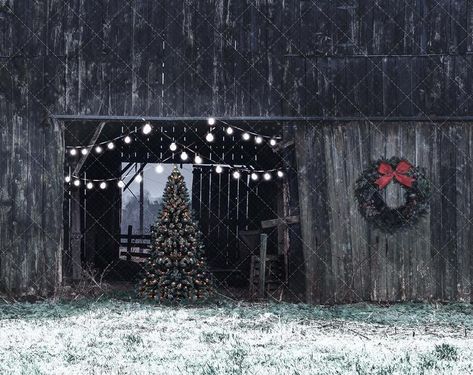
{"x": 373, "y": 180}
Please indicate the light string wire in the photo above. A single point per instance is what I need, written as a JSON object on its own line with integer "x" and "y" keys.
{"x": 75, "y": 180}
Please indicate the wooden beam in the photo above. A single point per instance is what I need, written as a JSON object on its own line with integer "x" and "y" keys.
{"x": 279, "y": 221}
{"x": 262, "y": 264}
{"x": 93, "y": 140}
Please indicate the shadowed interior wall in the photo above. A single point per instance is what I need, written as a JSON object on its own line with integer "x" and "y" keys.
{"x": 348, "y": 260}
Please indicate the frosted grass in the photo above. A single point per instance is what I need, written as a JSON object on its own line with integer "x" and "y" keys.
{"x": 126, "y": 337}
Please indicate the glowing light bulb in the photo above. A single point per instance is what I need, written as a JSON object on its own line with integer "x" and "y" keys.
{"x": 245, "y": 136}
{"x": 272, "y": 142}
{"x": 173, "y": 147}
{"x": 111, "y": 145}
{"x": 147, "y": 128}
{"x": 280, "y": 174}
{"x": 67, "y": 179}
{"x": 236, "y": 175}
{"x": 98, "y": 149}
{"x": 258, "y": 140}
{"x": 159, "y": 169}
{"x": 121, "y": 184}
{"x": 267, "y": 176}
{"x": 84, "y": 151}
{"x": 229, "y": 130}
{"x": 254, "y": 176}
{"x": 127, "y": 139}
{"x": 211, "y": 121}
{"x": 103, "y": 185}
{"x": 138, "y": 179}
{"x": 76, "y": 183}
{"x": 218, "y": 169}
{"x": 73, "y": 152}
{"x": 209, "y": 137}
{"x": 89, "y": 185}
{"x": 184, "y": 155}
{"x": 198, "y": 159}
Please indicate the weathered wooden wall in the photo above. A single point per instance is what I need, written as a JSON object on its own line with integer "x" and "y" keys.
{"x": 207, "y": 57}
{"x": 347, "y": 259}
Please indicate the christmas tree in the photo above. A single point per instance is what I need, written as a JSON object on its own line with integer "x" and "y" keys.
{"x": 176, "y": 270}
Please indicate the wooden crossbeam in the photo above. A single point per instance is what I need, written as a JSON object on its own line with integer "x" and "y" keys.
{"x": 279, "y": 222}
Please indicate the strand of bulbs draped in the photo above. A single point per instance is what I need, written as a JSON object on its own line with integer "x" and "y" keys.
{"x": 147, "y": 128}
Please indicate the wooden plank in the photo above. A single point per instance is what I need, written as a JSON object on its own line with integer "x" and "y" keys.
{"x": 262, "y": 265}
{"x": 280, "y": 221}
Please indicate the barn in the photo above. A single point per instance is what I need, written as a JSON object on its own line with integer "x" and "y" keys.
{"x": 338, "y": 85}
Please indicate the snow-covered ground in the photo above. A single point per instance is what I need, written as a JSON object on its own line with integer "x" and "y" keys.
{"x": 127, "y": 337}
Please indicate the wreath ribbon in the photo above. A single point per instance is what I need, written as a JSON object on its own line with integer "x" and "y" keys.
{"x": 387, "y": 174}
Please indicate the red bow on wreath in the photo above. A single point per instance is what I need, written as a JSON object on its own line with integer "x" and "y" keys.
{"x": 399, "y": 174}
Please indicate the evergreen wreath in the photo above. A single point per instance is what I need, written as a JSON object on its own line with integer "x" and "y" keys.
{"x": 374, "y": 179}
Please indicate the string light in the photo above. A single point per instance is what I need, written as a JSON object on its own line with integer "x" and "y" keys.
{"x": 211, "y": 121}
{"x": 236, "y": 175}
{"x": 246, "y": 136}
{"x": 258, "y": 140}
{"x": 280, "y": 174}
{"x": 127, "y": 139}
{"x": 73, "y": 152}
{"x": 138, "y": 179}
{"x": 184, "y": 155}
{"x": 198, "y": 159}
{"x": 89, "y": 185}
{"x": 147, "y": 128}
{"x": 218, "y": 169}
{"x": 98, "y": 149}
{"x": 103, "y": 185}
{"x": 209, "y": 137}
{"x": 229, "y": 130}
{"x": 84, "y": 151}
{"x": 67, "y": 179}
{"x": 159, "y": 169}
{"x": 254, "y": 176}
{"x": 272, "y": 142}
{"x": 267, "y": 176}
{"x": 121, "y": 184}
{"x": 110, "y": 145}
{"x": 76, "y": 182}
{"x": 173, "y": 146}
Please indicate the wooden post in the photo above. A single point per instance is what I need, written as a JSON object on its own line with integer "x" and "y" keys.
{"x": 75, "y": 236}
{"x": 262, "y": 264}
{"x": 128, "y": 242}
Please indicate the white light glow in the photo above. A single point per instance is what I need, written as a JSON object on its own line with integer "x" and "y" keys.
{"x": 173, "y": 147}
{"x": 159, "y": 168}
{"x": 103, "y": 185}
{"x": 218, "y": 169}
{"x": 209, "y": 137}
{"x": 272, "y": 142}
{"x": 127, "y": 139}
{"x": 236, "y": 175}
{"x": 121, "y": 184}
{"x": 84, "y": 151}
{"x": 198, "y": 159}
{"x": 184, "y": 155}
{"x": 67, "y": 179}
{"x": 73, "y": 152}
{"x": 138, "y": 179}
{"x": 76, "y": 183}
{"x": 89, "y": 185}
{"x": 280, "y": 174}
{"x": 147, "y": 128}
{"x": 229, "y": 130}
{"x": 258, "y": 140}
{"x": 254, "y": 176}
{"x": 211, "y": 121}
{"x": 267, "y": 176}
{"x": 98, "y": 149}
{"x": 245, "y": 136}
{"x": 111, "y": 145}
